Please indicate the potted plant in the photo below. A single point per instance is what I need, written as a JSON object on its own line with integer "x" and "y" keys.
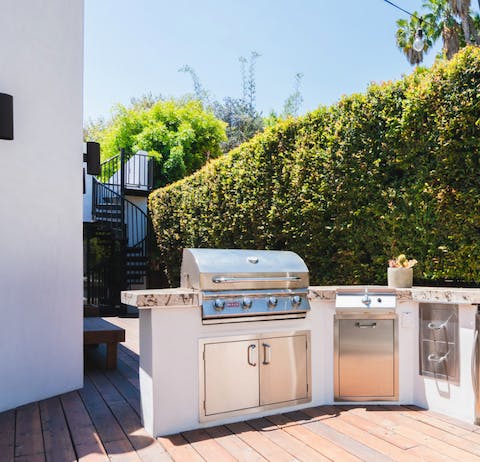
{"x": 400, "y": 272}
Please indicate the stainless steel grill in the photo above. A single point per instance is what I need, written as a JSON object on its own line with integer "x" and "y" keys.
{"x": 246, "y": 285}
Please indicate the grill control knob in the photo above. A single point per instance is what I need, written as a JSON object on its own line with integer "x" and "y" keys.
{"x": 219, "y": 304}
{"x": 366, "y": 300}
{"x": 272, "y": 302}
{"x": 296, "y": 300}
{"x": 246, "y": 303}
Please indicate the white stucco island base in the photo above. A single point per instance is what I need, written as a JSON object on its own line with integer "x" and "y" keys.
{"x": 171, "y": 331}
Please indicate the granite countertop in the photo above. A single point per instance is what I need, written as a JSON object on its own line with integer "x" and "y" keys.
{"x": 419, "y": 294}
{"x": 444, "y": 295}
{"x": 157, "y": 298}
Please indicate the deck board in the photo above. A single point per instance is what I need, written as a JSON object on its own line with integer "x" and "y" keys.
{"x": 28, "y": 434}
{"x": 234, "y": 445}
{"x": 376, "y": 429}
{"x": 342, "y": 440}
{"x": 56, "y": 437}
{"x": 289, "y": 443}
{"x": 86, "y": 440}
{"x": 259, "y": 442}
{"x": 349, "y": 428}
{"x": 179, "y": 449}
{"x": 207, "y": 447}
{"x": 7, "y": 435}
{"x": 148, "y": 448}
{"x": 101, "y": 423}
{"x": 322, "y": 445}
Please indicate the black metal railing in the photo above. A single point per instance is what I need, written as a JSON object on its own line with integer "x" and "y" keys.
{"x": 129, "y": 224}
{"x": 109, "y": 206}
{"x": 137, "y": 171}
{"x": 117, "y": 242}
{"x": 103, "y": 285}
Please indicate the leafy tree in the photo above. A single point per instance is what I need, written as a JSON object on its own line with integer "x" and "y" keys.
{"x": 249, "y": 86}
{"x": 243, "y": 121}
{"x": 93, "y": 129}
{"x": 200, "y": 93}
{"x": 240, "y": 114}
{"x": 450, "y": 20}
{"x": 292, "y": 104}
{"x": 180, "y": 135}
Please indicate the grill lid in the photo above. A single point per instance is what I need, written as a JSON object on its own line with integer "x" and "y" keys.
{"x": 233, "y": 269}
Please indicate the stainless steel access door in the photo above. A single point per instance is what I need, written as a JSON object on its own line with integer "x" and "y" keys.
{"x": 365, "y": 358}
{"x": 283, "y": 369}
{"x": 231, "y": 376}
{"x": 243, "y": 374}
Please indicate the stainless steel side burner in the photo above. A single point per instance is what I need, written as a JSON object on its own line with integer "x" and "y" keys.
{"x": 246, "y": 285}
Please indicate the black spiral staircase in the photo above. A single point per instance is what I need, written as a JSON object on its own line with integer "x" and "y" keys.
{"x": 117, "y": 240}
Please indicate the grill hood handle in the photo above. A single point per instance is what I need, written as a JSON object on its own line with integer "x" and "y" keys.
{"x": 223, "y": 279}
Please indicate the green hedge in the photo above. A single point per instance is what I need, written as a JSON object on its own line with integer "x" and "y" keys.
{"x": 394, "y": 170}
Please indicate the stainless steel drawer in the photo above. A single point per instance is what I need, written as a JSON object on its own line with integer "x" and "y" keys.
{"x": 365, "y": 359}
{"x": 439, "y": 359}
{"x": 438, "y": 322}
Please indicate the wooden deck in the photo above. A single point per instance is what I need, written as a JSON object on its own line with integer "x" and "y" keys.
{"x": 101, "y": 422}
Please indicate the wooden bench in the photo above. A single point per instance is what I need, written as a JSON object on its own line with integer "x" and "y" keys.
{"x": 97, "y": 330}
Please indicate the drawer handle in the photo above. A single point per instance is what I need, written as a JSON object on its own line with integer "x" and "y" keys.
{"x": 434, "y": 358}
{"x": 366, "y": 326}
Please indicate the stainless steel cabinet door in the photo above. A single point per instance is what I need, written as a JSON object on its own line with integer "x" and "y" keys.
{"x": 231, "y": 376}
{"x": 366, "y": 358}
{"x": 283, "y": 369}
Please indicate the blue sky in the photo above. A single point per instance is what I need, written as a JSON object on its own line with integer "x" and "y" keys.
{"x": 133, "y": 47}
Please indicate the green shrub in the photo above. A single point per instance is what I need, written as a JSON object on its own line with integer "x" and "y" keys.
{"x": 394, "y": 170}
{"x": 178, "y": 134}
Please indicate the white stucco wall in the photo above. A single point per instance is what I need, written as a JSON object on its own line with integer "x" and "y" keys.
{"x": 41, "y": 58}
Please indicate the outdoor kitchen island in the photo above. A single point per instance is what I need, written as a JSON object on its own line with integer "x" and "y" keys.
{"x": 173, "y": 339}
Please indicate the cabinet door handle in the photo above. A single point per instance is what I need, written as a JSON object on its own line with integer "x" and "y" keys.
{"x": 366, "y": 326}
{"x": 250, "y": 355}
{"x": 267, "y": 353}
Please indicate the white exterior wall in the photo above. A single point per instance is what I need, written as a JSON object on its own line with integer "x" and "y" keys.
{"x": 41, "y": 351}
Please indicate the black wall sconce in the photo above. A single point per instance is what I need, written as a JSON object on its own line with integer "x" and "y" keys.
{"x": 6, "y": 117}
{"x": 92, "y": 158}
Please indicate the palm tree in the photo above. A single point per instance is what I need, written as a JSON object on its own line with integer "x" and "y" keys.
{"x": 461, "y": 8}
{"x": 405, "y": 36}
{"x": 440, "y": 22}
{"x": 450, "y": 20}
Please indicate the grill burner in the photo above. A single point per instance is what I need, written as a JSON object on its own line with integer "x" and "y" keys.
{"x": 246, "y": 285}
